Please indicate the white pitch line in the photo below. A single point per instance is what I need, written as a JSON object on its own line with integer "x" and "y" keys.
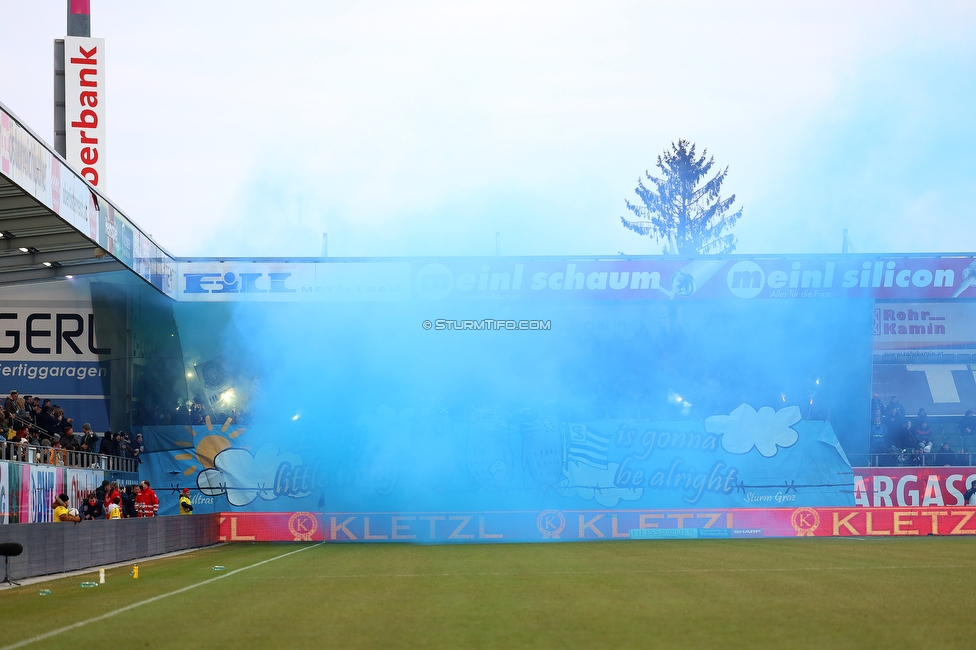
{"x": 74, "y": 626}
{"x": 641, "y": 571}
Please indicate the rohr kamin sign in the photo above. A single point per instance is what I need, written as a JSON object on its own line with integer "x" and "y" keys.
{"x": 84, "y": 105}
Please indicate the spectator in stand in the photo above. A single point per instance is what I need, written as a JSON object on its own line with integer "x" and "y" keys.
{"x": 876, "y": 405}
{"x": 68, "y": 436}
{"x": 61, "y": 510}
{"x": 45, "y": 419}
{"x": 13, "y": 403}
{"x": 125, "y": 446}
{"x": 107, "y": 446}
{"x": 7, "y": 422}
{"x": 967, "y": 425}
{"x": 923, "y": 433}
{"x": 92, "y": 508}
{"x": 894, "y": 415}
{"x": 88, "y": 438}
{"x": 33, "y": 412}
{"x": 138, "y": 448}
{"x": 878, "y": 443}
{"x": 945, "y": 457}
{"x": 150, "y": 502}
{"x": 970, "y": 495}
{"x": 198, "y": 415}
{"x": 962, "y": 457}
{"x": 61, "y": 421}
{"x": 918, "y": 455}
{"x": 56, "y": 455}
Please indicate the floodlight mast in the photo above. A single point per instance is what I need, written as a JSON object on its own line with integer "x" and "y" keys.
{"x": 79, "y": 24}
{"x": 79, "y": 18}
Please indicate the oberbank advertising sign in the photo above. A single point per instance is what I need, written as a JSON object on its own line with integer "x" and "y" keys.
{"x": 48, "y": 348}
{"x": 579, "y": 279}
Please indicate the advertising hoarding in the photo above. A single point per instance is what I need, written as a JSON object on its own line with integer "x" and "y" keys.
{"x": 84, "y": 100}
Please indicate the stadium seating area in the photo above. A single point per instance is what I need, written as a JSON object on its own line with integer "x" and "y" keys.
{"x": 37, "y": 431}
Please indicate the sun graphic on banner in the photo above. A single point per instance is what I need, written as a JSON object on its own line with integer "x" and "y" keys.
{"x": 207, "y": 448}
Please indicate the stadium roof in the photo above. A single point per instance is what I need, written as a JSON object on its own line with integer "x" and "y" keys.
{"x": 53, "y": 223}
{"x": 37, "y": 244}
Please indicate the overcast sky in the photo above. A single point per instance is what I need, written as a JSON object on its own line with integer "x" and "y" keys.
{"x": 422, "y": 128}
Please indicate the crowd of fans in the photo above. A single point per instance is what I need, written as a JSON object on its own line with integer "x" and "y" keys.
{"x": 31, "y": 421}
{"x": 899, "y": 441}
{"x": 112, "y": 501}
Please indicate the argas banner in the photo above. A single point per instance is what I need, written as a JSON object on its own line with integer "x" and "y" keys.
{"x": 893, "y": 487}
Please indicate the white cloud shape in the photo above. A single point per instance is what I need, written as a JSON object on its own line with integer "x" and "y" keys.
{"x": 591, "y": 483}
{"x": 243, "y": 477}
{"x": 765, "y": 429}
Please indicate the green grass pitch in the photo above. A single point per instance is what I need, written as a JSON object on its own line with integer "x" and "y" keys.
{"x": 816, "y": 593}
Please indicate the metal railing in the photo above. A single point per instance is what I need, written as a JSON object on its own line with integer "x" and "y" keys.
{"x": 911, "y": 458}
{"x": 37, "y": 455}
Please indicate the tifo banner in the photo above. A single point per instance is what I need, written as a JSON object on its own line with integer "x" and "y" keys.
{"x": 887, "y": 487}
{"x": 737, "y": 460}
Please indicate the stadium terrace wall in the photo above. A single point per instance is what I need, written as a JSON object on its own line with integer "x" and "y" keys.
{"x": 51, "y": 548}
{"x": 468, "y": 400}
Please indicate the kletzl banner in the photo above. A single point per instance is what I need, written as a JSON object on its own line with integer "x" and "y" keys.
{"x": 554, "y": 525}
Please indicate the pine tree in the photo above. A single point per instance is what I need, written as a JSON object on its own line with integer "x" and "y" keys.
{"x": 683, "y": 209}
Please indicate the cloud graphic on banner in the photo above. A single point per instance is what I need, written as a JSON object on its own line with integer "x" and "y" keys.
{"x": 765, "y": 429}
{"x": 592, "y": 483}
{"x": 243, "y": 477}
